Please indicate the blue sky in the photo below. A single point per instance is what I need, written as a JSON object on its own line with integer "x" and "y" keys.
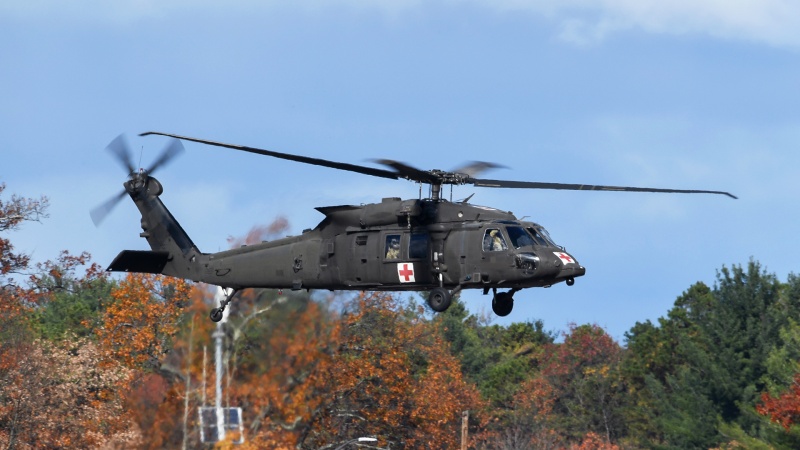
{"x": 681, "y": 94}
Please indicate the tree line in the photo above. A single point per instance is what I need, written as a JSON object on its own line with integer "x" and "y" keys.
{"x": 91, "y": 361}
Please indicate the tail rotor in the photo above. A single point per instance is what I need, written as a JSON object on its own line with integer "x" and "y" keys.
{"x": 137, "y": 179}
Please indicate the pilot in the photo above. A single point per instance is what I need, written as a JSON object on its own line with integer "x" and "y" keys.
{"x": 494, "y": 241}
{"x": 393, "y": 251}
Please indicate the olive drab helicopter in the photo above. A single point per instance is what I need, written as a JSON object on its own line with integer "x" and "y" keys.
{"x": 424, "y": 244}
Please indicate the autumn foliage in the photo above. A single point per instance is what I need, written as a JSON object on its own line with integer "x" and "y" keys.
{"x": 93, "y": 361}
{"x": 142, "y": 318}
{"x": 392, "y": 377}
{"x": 783, "y": 409}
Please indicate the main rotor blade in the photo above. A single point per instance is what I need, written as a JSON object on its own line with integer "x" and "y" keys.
{"x": 173, "y": 149}
{"x": 476, "y": 167}
{"x": 584, "y": 187}
{"x": 409, "y": 172}
{"x": 303, "y": 159}
{"x": 99, "y": 213}
{"x": 120, "y": 148}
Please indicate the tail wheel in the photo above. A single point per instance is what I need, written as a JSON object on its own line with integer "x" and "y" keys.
{"x": 502, "y": 304}
{"x": 216, "y": 315}
{"x": 439, "y": 299}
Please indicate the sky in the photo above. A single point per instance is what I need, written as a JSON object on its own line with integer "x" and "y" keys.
{"x": 682, "y": 94}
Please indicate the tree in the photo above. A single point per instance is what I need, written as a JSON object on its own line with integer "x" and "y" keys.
{"x": 392, "y": 377}
{"x": 140, "y": 322}
{"x": 498, "y": 359}
{"x": 784, "y": 408}
{"x": 281, "y": 365}
{"x": 67, "y": 304}
{"x": 12, "y": 214}
{"x": 654, "y": 370}
{"x": 577, "y": 390}
{"x": 61, "y": 396}
{"x": 701, "y": 371}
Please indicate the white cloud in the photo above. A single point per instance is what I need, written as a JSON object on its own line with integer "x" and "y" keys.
{"x": 774, "y": 22}
{"x": 581, "y": 22}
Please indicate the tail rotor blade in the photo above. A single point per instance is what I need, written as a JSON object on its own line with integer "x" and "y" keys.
{"x": 120, "y": 148}
{"x": 99, "y": 213}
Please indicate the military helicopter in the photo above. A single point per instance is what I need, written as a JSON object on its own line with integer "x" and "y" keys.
{"x": 424, "y": 244}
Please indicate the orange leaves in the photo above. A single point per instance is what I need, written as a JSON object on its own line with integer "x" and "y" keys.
{"x": 58, "y": 396}
{"x": 784, "y": 409}
{"x": 283, "y": 387}
{"x": 142, "y": 319}
{"x": 593, "y": 441}
{"x": 394, "y": 378}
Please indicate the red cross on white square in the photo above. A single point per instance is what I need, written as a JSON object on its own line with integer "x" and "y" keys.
{"x": 406, "y": 272}
{"x": 565, "y": 258}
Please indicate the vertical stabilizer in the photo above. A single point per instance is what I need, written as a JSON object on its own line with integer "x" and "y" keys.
{"x": 173, "y": 252}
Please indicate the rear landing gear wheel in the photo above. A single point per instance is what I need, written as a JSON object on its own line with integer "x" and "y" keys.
{"x": 216, "y": 315}
{"x": 439, "y": 299}
{"x": 502, "y": 303}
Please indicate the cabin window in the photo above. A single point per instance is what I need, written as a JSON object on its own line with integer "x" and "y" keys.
{"x": 392, "y": 249}
{"x": 418, "y": 246}
{"x": 493, "y": 241}
{"x": 518, "y": 236}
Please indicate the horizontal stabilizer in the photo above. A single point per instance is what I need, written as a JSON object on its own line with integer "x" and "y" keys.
{"x": 140, "y": 261}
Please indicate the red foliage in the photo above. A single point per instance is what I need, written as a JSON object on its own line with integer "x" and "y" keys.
{"x": 576, "y": 381}
{"x": 261, "y": 233}
{"x": 785, "y": 408}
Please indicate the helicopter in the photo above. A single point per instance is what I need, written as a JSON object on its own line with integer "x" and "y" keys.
{"x": 424, "y": 244}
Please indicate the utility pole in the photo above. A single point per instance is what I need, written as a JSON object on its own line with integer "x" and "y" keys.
{"x": 464, "y": 430}
{"x": 220, "y": 420}
{"x": 188, "y": 389}
{"x": 218, "y": 336}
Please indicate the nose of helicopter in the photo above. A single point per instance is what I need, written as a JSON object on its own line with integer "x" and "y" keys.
{"x": 569, "y": 267}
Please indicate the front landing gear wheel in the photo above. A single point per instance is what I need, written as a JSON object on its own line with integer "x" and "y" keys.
{"x": 216, "y": 315}
{"x": 439, "y": 299}
{"x": 502, "y": 304}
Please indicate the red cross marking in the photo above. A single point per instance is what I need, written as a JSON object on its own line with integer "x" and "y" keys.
{"x": 406, "y": 272}
{"x": 566, "y": 258}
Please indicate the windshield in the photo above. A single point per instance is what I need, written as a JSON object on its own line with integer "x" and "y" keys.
{"x": 542, "y": 236}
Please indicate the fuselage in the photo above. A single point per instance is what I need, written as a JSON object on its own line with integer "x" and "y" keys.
{"x": 401, "y": 245}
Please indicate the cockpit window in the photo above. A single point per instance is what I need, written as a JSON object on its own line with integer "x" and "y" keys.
{"x": 549, "y": 239}
{"x": 541, "y": 238}
{"x": 519, "y": 237}
{"x": 493, "y": 241}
